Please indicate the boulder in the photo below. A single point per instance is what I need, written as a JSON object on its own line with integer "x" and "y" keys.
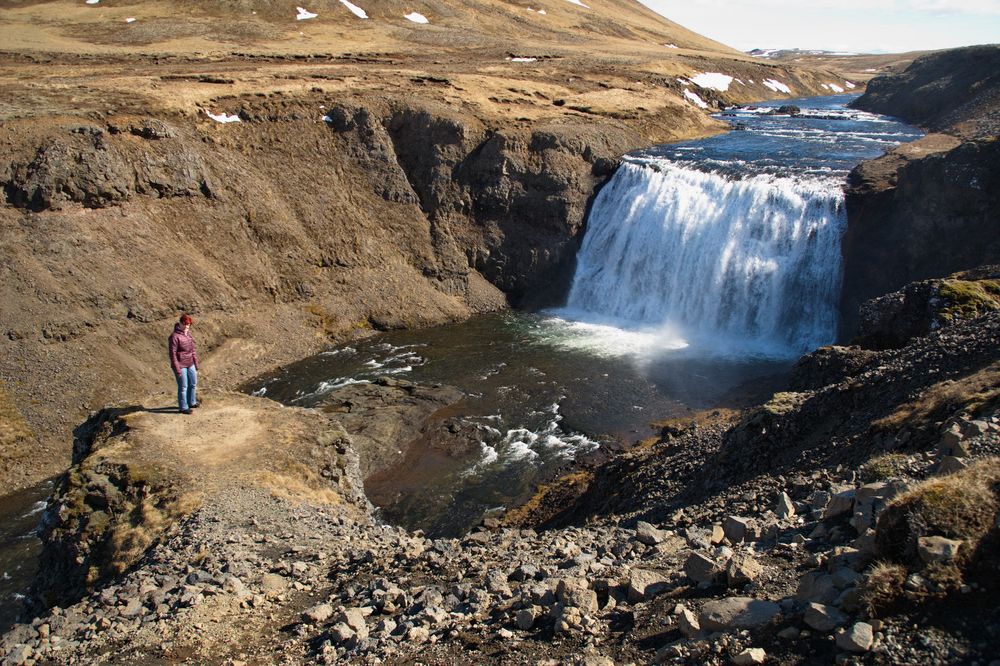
{"x": 737, "y": 613}
{"x": 739, "y": 529}
{"x": 816, "y": 586}
{"x": 857, "y": 638}
{"x": 750, "y": 656}
{"x": 355, "y": 619}
{"x": 841, "y": 501}
{"x": 951, "y": 464}
{"x": 784, "y": 506}
{"x": 576, "y": 593}
{"x": 644, "y": 584}
{"x": 950, "y": 438}
{"x": 317, "y": 614}
{"x": 647, "y": 534}
{"x": 702, "y": 569}
{"x": 688, "y": 624}
{"x": 823, "y": 618}
{"x": 742, "y": 568}
{"x": 937, "y": 549}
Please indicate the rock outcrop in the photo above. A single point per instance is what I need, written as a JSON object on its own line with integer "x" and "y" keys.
{"x": 138, "y": 473}
{"x": 919, "y": 308}
{"x": 930, "y": 208}
{"x": 957, "y": 91}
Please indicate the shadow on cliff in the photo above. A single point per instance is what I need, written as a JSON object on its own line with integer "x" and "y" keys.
{"x": 107, "y": 422}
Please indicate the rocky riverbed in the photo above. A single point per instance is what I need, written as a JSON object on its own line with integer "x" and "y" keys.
{"x": 804, "y": 561}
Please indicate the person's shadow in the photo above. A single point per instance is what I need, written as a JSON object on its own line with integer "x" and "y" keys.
{"x": 107, "y": 421}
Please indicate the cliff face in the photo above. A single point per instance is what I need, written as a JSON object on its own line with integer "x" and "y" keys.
{"x": 930, "y": 208}
{"x": 279, "y": 232}
{"x": 915, "y": 216}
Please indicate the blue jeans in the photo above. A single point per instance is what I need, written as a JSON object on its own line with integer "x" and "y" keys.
{"x": 187, "y": 383}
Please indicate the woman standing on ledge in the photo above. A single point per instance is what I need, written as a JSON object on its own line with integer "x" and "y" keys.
{"x": 184, "y": 361}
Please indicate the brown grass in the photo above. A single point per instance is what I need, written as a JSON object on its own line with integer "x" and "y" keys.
{"x": 882, "y": 587}
{"x": 962, "y": 506}
{"x": 300, "y": 484}
{"x": 574, "y": 483}
{"x": 14, "y": 429}
{"x": 883, "y": 467}
{"x": 968, "y": 393}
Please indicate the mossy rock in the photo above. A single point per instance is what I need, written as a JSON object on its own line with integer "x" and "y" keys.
{"x": 968, "y": 299}
{"x": 884, "y": 467}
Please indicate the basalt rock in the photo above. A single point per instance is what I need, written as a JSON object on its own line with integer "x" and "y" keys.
{"x": 915, "y": 215}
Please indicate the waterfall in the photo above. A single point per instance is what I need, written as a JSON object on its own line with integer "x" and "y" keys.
{"x": 753, "y": 260}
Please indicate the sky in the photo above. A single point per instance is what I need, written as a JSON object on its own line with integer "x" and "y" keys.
{"x": 858, "y": 26}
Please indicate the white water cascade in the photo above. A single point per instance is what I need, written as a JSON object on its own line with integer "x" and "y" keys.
{"x": 754, "y": 261}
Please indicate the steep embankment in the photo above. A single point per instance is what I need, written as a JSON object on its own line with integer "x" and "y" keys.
{"x": 930, "y": 208}
{"x": 444, "y": 181}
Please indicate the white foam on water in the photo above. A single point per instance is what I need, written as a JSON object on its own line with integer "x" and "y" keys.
{"x": 342, "y": 350}
{"x": 36, "y": 509}
{"x": 674, "y": 253}
{"x": 574, "y": 329}
{"x": 325, "y": 387}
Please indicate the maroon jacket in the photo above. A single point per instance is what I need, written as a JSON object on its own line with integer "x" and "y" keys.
{"x": 181, "y": 349}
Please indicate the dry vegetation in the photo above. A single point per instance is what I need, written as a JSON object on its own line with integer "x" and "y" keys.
{"x": 961, "y": 506}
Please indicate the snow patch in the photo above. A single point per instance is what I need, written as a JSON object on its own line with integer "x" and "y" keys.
{"x": 683, "y": 82}
{"x": 776, "y": 86}
{"x": 304, "y": 14}
{"x": 357, "y": 11}
{"x": 849, "y": 84}
{"x": 92, "y": 2}
{"x": 712, "y": 81}
{"x": 223, "y": 117}
{"x": 697, "y": 101}
{"x": 130, "y": 19}
{"x": 523, "y": 59}
{"x": 416, "y": 18}
{"x": 671, "y": 46}
{"x": 835, "y": 88}
{"x": 577, "y": 2}
{"x": 541, "y": 11}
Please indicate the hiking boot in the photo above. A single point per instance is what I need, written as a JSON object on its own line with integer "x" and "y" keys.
{"x": 186, "y": 411}
{"x": 196, "y": 405}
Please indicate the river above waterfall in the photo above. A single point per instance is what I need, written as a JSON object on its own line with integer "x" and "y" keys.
{"x": 706, "y": 269}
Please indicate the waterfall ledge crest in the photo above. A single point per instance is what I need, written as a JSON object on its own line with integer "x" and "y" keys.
{"x": 753, "y": 260}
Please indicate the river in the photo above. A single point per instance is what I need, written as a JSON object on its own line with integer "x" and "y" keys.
{"x": 707, "y": 268}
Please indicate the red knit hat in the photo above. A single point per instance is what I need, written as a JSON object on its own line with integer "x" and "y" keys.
{"x": 186, "y": 320}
